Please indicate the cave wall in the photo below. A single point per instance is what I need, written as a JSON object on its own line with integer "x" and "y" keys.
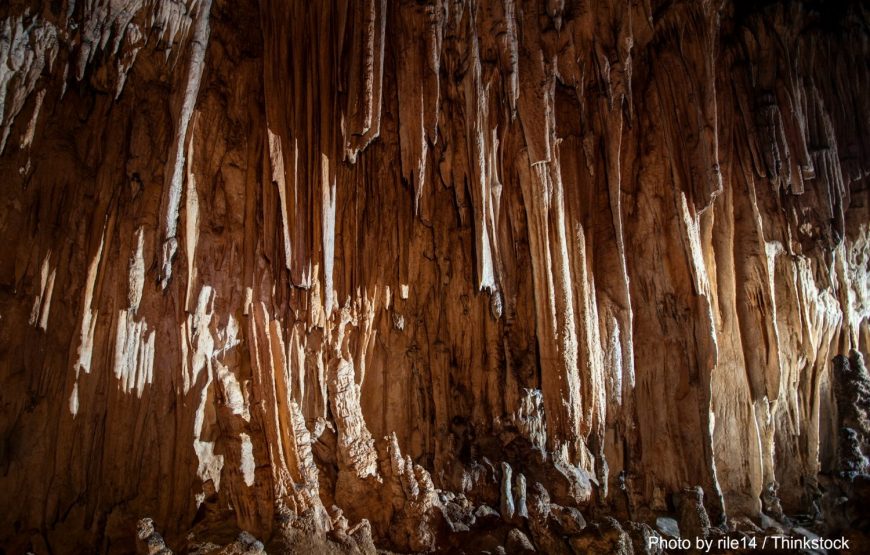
{"x": 260, "y": 259}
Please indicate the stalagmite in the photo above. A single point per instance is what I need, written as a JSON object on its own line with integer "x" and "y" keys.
{"x": 446, "y": 275}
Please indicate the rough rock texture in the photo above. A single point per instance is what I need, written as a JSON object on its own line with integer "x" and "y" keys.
{"x": 450, "y": 274}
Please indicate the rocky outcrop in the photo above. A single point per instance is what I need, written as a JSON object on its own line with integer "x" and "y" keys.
{"x": 845, "y": 491}
{"x": 475, "y": 275}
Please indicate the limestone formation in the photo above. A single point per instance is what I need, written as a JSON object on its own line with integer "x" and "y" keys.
{"x": 342, "y": 276}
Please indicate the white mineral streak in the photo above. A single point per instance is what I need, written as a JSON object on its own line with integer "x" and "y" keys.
{"x": 328, "y": 218}
{"x": 199, "y": 333}
{"x": 175, "y": 170}
{"x": 247, "y": 461}
{"x": 692, "y": 239}
{"x": 42, "y": 302}
{"x": 191, "y": 225}
{"x": 134, "y": 353}
{"x": 136, "y": 272}
{"x": 85, "y": 349}
{"x": 506, "y": 501}
{"x": 563, "y": 293}
{"x": 481, "y": 171}
{"x": 613, "y": 361}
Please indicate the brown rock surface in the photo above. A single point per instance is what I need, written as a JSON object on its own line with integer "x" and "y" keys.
{"x": 445, "y": 274}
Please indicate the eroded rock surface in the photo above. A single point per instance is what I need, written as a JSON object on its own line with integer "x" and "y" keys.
{"x": 476, "y": 275}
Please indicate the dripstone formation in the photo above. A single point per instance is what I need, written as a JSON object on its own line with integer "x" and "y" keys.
{"x": 502, "y": 276}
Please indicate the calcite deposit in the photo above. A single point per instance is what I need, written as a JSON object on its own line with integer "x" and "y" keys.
{"x": 480, "y": 276}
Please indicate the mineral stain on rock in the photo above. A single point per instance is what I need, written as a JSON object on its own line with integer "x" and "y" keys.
{"x": 471, "y": 276}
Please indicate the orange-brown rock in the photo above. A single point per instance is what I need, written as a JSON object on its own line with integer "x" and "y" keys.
{"x": 460, "y": 275}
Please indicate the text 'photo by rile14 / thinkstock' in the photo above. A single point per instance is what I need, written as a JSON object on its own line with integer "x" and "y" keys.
{"x": 375, "y": 277}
